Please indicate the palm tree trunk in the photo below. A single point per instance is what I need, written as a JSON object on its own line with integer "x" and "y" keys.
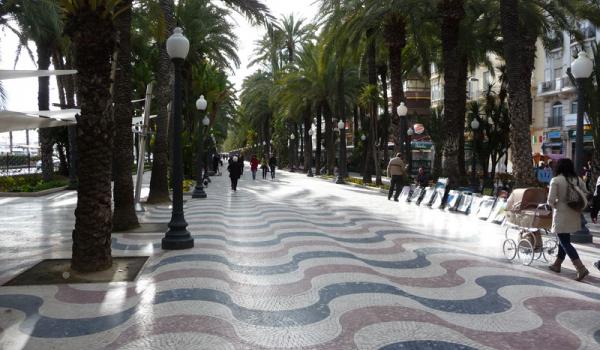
{"x": 46, "y": 149}
{"x": 385, "y": 127}
{"x": 394, "y": 31}
{"x": 319, "y": 138}
{"x": 452, "y": 12}
{"x": 159, "y": 186}
{"x": 307, "y": 141}
{"x": 517, "y": 48}
{"x": 329, "y": 144}
{"x": 124, "y": 216}
{"x": 463, "y": 68}
{"x": 372, "y": 76}
{"x": 93, "y": 39}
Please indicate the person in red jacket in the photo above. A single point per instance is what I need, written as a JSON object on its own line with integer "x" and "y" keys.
{"x": 254, "y": 166}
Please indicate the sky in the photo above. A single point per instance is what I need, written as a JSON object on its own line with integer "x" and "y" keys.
{"x": 22, "y": 93}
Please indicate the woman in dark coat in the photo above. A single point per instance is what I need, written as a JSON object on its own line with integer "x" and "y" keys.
{"x": 235, "y": 171}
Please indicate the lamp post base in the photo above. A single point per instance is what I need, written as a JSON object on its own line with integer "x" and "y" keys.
{"x": 199, "y": 191}
{"x": 178, "y": 237}
{"x": 310, "y": 173}
{"x": 339, "y": 180}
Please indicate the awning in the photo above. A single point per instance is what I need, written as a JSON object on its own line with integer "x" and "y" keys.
{"x": 12, "y": 121}
{"x": 14, "y": 74}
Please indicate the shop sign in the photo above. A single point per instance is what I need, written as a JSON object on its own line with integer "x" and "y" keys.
{"x": 553, "y": 134}
{"x": 587, "y": 135}
{"x": 421, "y": 145}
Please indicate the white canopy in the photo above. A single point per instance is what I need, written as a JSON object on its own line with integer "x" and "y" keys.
{"x": 14, "y": 74}
{"x": 12, "y": 121}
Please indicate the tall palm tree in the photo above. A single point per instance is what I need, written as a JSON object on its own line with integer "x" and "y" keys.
{"x": 159, "y": 187}
{"x": 39, "y": 21}
{"x": 256, "y": 11}
{"x": 90, "y": 25}
{"x": 523, "y": 22}
{"x": 124, "y": 211}
{"x": 452, "y": 13}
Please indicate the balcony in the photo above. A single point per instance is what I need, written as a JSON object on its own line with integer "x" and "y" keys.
{"x": 555, "y": 86}
{"x": 555, "y": 122}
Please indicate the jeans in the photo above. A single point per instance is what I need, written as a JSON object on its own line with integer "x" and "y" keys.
{"x": 273, "y": 172}
{"x": 565, "y": 247}
{"x": 253, "y": 174}
{"x": 264, "y": 173}
{"x": 395, "y": 183}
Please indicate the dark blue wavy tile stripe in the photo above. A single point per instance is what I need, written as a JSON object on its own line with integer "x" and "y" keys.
{"x": 426, "y": 345}
{"x": 491, "y": 302}
{"x": 597, "y": 336}
{"x": 418, "y": 262}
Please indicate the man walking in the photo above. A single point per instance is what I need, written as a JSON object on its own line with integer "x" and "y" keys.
{"x": 396, "y": 170}
{"x": 272, "y": 165}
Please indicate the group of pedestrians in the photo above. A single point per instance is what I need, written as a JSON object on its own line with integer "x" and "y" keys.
{"x": 236, "y": 168}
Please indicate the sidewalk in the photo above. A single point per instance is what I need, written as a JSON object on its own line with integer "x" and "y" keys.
{"x": 295, "y": 263}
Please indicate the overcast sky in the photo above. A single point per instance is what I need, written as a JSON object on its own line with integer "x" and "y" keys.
{"x": 22, "y": 93}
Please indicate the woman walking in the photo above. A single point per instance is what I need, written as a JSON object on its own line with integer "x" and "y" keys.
{"x": 565, "y": 220}
{"x": 235, "y": 171}
{"x": 254, "y": 166}
{"x": 264, "y": 167}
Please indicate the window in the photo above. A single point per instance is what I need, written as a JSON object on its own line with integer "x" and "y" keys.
{"x": 486, "y": 79}
{"x": 547, "y": 74}
{"x": 557, "y": 73}
{"x": 555, "y": 119}
{"x": 574, "y": 107}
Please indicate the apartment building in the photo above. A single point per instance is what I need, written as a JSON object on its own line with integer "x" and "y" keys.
{"x": 553, "y": 129}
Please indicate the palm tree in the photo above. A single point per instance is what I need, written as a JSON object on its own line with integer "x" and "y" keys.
{"x": 159, "y": 187}
{"x": 124, "y": 210}
{"x": 90, "y": 25}
{"x": 523, "y": 22}
{"x": 254, "y": 10}
{"x": 39, "y": 21}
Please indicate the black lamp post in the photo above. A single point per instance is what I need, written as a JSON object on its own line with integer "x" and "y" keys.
{"x": 581, "y": 68}
{"x": 342, "y": 143}
{"x": 475, "y": 128}
{"x": 199, "y": 189}
{"x": 178, "y": 237}
{"x": 402, "y": 111}
{"x": 409, "y": 133}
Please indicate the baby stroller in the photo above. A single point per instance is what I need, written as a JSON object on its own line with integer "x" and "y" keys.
{"x": 528, "y": 222}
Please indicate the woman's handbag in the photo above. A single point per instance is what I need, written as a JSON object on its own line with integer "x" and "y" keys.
{"x": 575, "y": 197}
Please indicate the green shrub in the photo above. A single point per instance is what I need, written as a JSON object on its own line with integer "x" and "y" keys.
{"x": 30, "y": 183}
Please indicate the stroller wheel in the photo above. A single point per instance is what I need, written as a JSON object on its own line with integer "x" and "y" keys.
{"x": 550, "y": 249}
{"x": 526, "y": 252}
{"x": 509, "y": 248}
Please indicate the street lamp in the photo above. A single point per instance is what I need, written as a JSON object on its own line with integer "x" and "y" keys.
{"x": 310, "y": 134}
{"x": 402, "y": 111}
{"x": 581, "y": 68}
{"x": 363, "y": 137}
{"x": 340, "y": 175}
{"x": 177, "y": 237}
{"x": 199, "y": 189}
{"x": 474, "y": 127}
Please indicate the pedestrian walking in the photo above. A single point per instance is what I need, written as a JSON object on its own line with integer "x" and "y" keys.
{"x": 396, "y": 170}
{"x": 254, "y": 166}
{"x": 235, "y": 171}
{"x": 595, "y": 209}
{"x": 241, "y": 160}
{"x": 216, "y": 160}
{"x": 272, "y": 165}
{"x": 567, "y": 199}
{"x": 264, "y": 167}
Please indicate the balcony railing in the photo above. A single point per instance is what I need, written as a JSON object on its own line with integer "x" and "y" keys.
{"x": 554, "y": 122}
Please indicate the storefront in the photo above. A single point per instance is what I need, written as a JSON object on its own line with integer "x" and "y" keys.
{"x": 422, "y": 155}
{"x": 554, "y": 143}
{"x": 588, "y": 144}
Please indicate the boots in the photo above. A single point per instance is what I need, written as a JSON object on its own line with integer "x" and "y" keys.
{"x": 556, "y": 266}
{"x": 581, "y": 270}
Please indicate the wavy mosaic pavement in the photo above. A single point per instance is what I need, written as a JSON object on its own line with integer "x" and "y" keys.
{"x": 278, "y": 266}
